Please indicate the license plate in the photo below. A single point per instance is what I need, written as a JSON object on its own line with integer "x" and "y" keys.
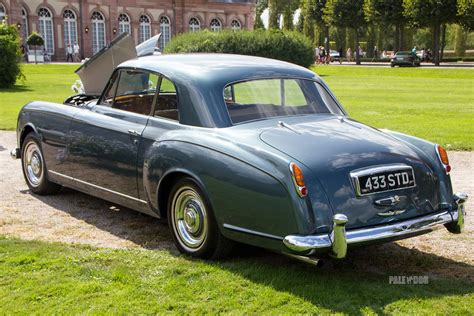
{"x": 383, "y": 178}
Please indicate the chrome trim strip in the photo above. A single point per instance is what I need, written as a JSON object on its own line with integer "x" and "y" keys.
{"x": 428, "y": 223}
{"x": 379, "y": 169}
{"x": 97, "y": 187}
{"x": 252, "y": 232}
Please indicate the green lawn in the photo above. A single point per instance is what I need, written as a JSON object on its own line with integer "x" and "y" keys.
{"x": 44, "y": 278}
{"x": 435, "y": 104}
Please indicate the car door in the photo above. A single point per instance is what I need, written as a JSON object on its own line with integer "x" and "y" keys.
{"x": 106, "y": 137}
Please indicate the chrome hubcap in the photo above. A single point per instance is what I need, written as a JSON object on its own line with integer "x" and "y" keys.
{"x": 189, "y": 218}
{"x": 33, "y": 164}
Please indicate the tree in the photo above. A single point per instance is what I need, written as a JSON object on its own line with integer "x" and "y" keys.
{"x": 313, "y": 11}
{"x": 465, "y": 9}
{"x": 274, "y": 11}
{"x": 350, "y": 14}
{"x": 387, "y": 13}
{"x": 10, "y": 55}
{"x": 432, "y": 13}
{"x": 261, "y": 6}
{"x": 35, "y": 40}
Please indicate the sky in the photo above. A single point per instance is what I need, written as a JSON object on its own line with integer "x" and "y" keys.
{"x": 265, "y": 17}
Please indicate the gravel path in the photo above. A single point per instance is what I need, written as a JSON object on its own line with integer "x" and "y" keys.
{"x": 73, "y": 217}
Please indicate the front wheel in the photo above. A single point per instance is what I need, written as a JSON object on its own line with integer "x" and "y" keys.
{"x": 192, "y": 223}
{"x": 34, "y": 168}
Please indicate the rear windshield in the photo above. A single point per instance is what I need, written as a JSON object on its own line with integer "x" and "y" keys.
{"x": 265, "y": 98}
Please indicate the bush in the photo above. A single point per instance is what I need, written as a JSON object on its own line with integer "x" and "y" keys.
{"x": 10, "y": 55}
{"x": 287, "y": 46}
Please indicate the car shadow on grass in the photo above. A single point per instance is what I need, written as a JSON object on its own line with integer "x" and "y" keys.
{"x": 14, "y": 89}
{"x": 364, "y": 280}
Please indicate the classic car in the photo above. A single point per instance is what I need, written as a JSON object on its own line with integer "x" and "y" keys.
{"x": 405, "y": 59}
{"x": 231, "y": 148}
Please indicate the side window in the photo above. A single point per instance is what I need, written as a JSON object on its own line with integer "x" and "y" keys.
{"x": 109, "y": 94}
{"x": 167, "y": 101}
{"x": 135, "y": 91}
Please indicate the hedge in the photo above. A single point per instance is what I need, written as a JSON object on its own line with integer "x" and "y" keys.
{"x": 10, "y": 55}
{"x": 287, "y": 46}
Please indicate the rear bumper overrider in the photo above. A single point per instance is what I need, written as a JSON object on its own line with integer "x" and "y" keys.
{"x": 338, "y": 240}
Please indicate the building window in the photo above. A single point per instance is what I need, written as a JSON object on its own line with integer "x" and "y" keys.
{"x": 124, "y": 23}
{"x": 235, "y": 25}
{"x": 165, "y": 30}
{"x": 70, "y": 28}
{"x": 98, "y": 31}
{"x": 46, "y": 29}
{"x": 194, "y": 25}
{"x": 3, "y": 12}
{"x": 215, "y": 25}
{"x": 25, "y": 31}
{"x": 145, "y": 28}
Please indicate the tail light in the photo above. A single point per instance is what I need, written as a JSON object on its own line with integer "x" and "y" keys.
{"x": 443, "y": 157}
{"x": 298, "y": 180}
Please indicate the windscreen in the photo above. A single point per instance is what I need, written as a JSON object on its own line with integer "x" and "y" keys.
{"x": 265, "y": 98}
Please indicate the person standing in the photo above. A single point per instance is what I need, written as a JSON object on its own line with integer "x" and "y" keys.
{"x": 349, "y": 54}
{"x": 376, "y": 53}
{"x": 76, "y": 52}
{"x": 316, "y": 55}
{"x": 69, "y": 53}
{"x": 340, "y": 55}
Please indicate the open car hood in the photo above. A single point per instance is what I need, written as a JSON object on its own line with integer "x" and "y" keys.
{"x": 96, "y": 71}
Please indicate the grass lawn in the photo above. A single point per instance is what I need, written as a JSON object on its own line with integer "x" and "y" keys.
{"x": 46, "y": 278}
{"x": 435, "y": 104}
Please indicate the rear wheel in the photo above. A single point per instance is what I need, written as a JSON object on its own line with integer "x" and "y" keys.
{"x": 192, "y": 223}
{"x": 34, "y": 169}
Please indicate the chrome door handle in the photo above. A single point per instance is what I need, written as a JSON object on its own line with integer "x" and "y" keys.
{"x": 134, "y": 133}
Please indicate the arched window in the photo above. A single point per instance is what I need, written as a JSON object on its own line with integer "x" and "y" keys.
{"x": 98, "y": 31}
{"x": 124, "y": 23}
{"x": 165, "y": 30}
{"x": 3, "y": 12}
{"x": 215, "y": 25}
{"x": 25, "y": 31}
{"x": 46, "y": 29}
{"x": 194, "y": 25}
{"x": 235, "y": 25}
{"x": 145, "y": 28}
{"x": 70, "y": 28}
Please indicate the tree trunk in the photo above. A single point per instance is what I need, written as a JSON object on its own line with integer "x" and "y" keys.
{"x": 273, "y": 15}
{"x": 401, "y": 39}
{"x": 397, "y": 38}
{"x": 288, "y": 19}
{"x": 443, "y": 42}
{"x": 36, "y": 62}
{"x": 436, "y": 30}
{"x": 460, "y": 41}
{"x": 357, "y": 46}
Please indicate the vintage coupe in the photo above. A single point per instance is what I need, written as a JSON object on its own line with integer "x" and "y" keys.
{"x": 237, "y": 148}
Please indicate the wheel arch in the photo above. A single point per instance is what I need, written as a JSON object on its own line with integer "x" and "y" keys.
{"x": 166, "y": 184}
{"x": 27, "y": 128}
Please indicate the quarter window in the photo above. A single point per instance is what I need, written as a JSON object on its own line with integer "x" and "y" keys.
{"x": 135, "y": 92}
{"x": 167, "y": 102}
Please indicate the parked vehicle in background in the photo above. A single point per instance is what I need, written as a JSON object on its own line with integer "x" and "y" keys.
{"x": 335, "y": 56}
{"x": 405, "y": 59}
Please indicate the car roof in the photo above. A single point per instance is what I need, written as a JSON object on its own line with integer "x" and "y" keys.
{"x": 403, "y": 53}
{"x": 217, "y": 69}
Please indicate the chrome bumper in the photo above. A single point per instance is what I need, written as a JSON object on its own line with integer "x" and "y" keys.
{"x": 15, "y": 153}
{"x": 338, "y": 240}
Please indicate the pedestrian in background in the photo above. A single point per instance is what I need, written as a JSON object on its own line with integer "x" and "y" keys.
{"x": 349, "y": 54}
{"x": 376, "y": 53}
{"x": 340, "y": 55}
{"x": 76, "y": 52}
{"x": 69, "y": 53}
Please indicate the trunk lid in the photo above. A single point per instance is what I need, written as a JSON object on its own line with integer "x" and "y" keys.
{"x": 333, "y": 148}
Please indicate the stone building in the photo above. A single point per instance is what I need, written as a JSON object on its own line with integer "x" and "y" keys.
{"x": 93, "y": 23}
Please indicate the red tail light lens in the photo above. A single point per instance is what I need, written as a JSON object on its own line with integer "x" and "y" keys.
{"x": 443, "y": 157}
{"x": 298, "y": 180}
